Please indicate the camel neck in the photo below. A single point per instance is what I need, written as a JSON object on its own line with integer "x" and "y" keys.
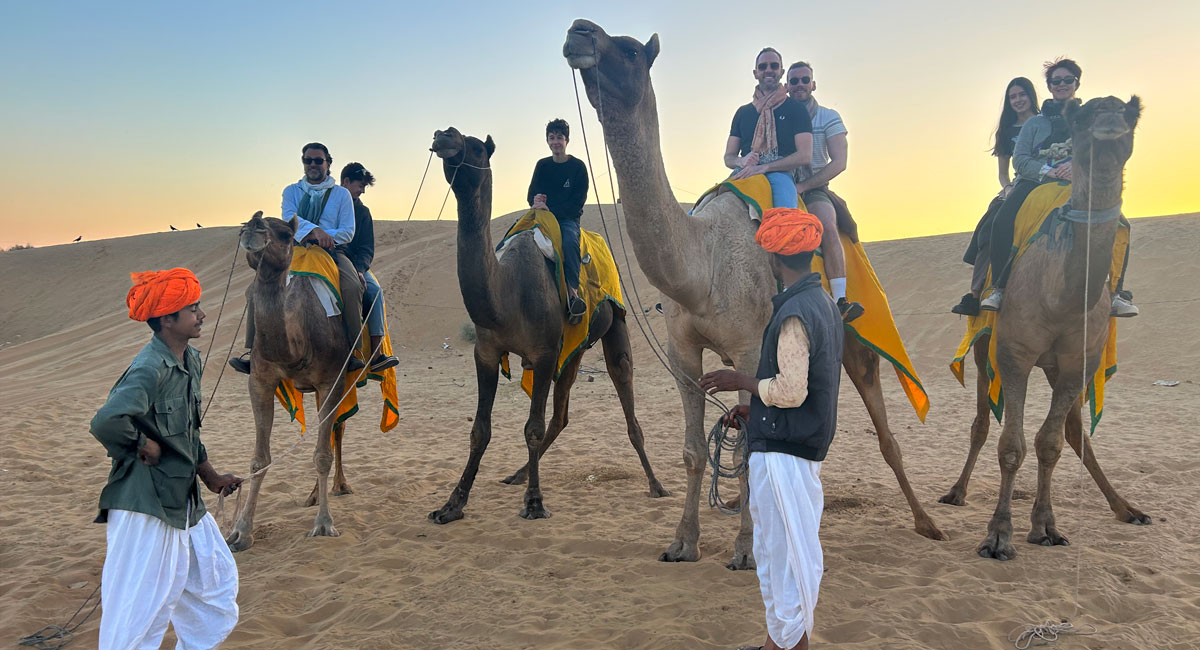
{"x": 667, "y": 241}
{"x": 477, "y": 266}
{"x": 270, "y": 326}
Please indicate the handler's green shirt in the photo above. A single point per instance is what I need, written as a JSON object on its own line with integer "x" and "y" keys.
{"x": 157, "y": 398}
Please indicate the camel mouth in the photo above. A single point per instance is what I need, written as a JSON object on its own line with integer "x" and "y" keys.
{"x": 445, "y": 151}
{"x": 580, "y": 48}
{"x": 1109, "y": 133}
{"x": 581, "y": 61}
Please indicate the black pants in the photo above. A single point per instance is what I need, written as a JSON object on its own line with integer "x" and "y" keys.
{"x": 1003, "y": 227}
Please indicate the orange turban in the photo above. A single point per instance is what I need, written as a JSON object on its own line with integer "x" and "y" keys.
{"x": 158, "y": 293}
{"x": 789, "y": 231}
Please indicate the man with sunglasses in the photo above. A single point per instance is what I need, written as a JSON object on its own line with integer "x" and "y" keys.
{"x": 771, "y": 135}
{"x": 1038, "y": 134}
{"x": 829, "y": 156}
{"x": 324, "y": 213}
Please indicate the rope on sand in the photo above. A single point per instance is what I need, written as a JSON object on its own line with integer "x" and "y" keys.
{"x": 53, "y": 637}
{"x": 1047, "y": 633}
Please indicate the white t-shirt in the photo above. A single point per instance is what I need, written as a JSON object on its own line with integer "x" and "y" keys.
{"x": 826, "y": 124}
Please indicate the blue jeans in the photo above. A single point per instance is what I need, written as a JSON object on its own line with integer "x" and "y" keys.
{"x": 783, "y": 190}
{"x": 570, "y": 247}
{"x": 371, "y": 294}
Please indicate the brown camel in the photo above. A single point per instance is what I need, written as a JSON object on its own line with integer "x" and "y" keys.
{"x": 515, "y": 306}
{"x": 294, "y": 339}
{"x": 957, "y": 496}
{"x": 715, "y": 279}
{"x": 1044, "y": 319}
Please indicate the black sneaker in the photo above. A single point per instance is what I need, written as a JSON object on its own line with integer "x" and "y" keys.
{"x": 968, "y": 306}
{"x": 382, "y": 363}
{"x": 355, "y": 364}
{"x": 850, "y": 310}
{"x": 241, "y": 364}
{"x": 576, "y": 308}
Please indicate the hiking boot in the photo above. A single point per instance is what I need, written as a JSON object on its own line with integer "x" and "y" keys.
{"x": 849, "y": 310}
{"x": 1122, "y": 305}
{"x": 241, "y": 364}
{"x": 992, "y": 302}
{"x": 576, "y": 308}
{"x": 968, "y": 306}
{"x": 382, "y": 363}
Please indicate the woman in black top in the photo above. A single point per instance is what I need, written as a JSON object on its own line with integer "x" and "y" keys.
{"x": 1020, "y": 104}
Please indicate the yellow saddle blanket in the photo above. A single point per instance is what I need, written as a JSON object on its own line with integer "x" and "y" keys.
{"x": 755, "y": 191}
{"x": 314, "y": 261}
{"x": 599, "y": 281}
{"x": 1028, "y": 228}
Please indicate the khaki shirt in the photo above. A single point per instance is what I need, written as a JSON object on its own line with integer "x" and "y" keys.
{"x": 157, "y": 398}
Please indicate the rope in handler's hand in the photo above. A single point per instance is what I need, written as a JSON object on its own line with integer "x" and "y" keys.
{"x": 721, "y": 441}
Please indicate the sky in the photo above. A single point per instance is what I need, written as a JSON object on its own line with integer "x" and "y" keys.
{"x": 122, "y": 118}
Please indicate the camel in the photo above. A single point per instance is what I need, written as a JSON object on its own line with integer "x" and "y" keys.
{"x": 515, "y": 306}
{"x": 716, "y": 281}
{"x": 1044, "y": 320}
{"x": 957, "y": 496}
{"x": 294, "y": 339}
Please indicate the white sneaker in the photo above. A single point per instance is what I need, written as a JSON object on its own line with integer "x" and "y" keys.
{"x": 1122, "y": 308}
{"x": 992, "y": 302}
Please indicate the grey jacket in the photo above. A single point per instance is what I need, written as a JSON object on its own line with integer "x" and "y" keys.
{"x": 1026, "y": 161}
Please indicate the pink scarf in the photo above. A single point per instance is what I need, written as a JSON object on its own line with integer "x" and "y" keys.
{"x": 765, "y": 138}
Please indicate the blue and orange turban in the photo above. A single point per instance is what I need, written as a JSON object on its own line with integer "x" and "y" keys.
{"x": 789, "y": 231}
{"x": 158, "y": 293}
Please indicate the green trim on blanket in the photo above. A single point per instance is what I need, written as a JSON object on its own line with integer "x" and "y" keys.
{"x": 336, "y": 294}
{"x": 349, "y": 414}
{"x": 288, "y": 406}
{"x": 871, "y": 346}
{"x": 745, "y": 197}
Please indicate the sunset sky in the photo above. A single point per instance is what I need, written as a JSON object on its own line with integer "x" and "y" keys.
{"x": 123, "y": 118}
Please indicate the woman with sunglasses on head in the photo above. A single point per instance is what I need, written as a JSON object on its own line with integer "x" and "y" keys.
{"x": 1020, "y": 104}
{"x": 1033, "y": 168}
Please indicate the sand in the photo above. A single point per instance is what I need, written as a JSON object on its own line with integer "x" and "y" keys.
{"x": 588, "y": 577}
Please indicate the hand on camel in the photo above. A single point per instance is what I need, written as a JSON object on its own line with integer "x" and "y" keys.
{"x": 149, "y": 453}
{"x": 719, "y": 381}
{"x": 321, "y": 238}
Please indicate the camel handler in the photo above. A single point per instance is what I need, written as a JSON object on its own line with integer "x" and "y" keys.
{"x": 167, "y": 561}
{"x": 771, "y": 135}
{"x": 792, "y": 417}
{"x": 560, "y": 187}
{"x": 325, "y": 216}
{"x": 830, "y": 153}
{"x": 361, "y": 251}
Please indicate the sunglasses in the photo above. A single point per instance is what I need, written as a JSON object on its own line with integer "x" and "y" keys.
{"x": 796, "y": 81}
{"x": 1058, "y": 81}
{"x": 772, "y": 65}
{"x": 313, "y": 161}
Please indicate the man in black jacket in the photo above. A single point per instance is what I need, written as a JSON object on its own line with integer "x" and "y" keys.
{"x": 560, "y": 186}
{"x": 361, "y": 251}
{"x": 791, "y": 420}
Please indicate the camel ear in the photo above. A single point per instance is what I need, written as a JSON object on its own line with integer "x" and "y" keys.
{"x": 490, "y": 145}
{"x": 1071, "y": 109}
{"x": 293, "y": 223}
{"x": 1133, "y": 110}
{"x": 257, "y": 215}
{"x": 652, "y": 48}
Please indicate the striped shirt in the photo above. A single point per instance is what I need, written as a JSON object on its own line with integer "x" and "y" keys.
{"x": 825, "y": 124}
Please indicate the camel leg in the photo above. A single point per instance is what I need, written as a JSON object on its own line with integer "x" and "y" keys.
{"x": 743, "y": 544}
{"x": 558, "y": 419}
{"x": 339, "y": 479}
{"x": 1048, "y": 445}
{"x": 1074, "y": 432}
{"x": 535, "y": 434}
{"x": 262, "y": 398}
{"x": 618, "y": 356}
{"x": 487, "y": 374}
{"x": 323, "y": 458}
{"x": 862, "y": 364}
{"x": 1010, "y": 451}
{"x": 688, "y": 362}
{"x": 957, "y": 496}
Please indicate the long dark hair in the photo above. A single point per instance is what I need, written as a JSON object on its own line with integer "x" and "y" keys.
{"x": 1003, "y": 144}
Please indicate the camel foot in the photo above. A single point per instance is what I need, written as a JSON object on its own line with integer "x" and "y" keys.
{"x": 955, "y": 497}
{"x": 997, "y": 547}
{"x": 1047, "y": 537}
{"x": 312, "y": 499}
{"x": 926, "y": 528}
{"x": 446, "y": 514}
{"x": 680, "y": 551}
{"x": 324, "y": 529}
{"x": 534, "y": 510}
{"x": 516, "y": 478}
{"x": 1134, "y": 516}
{"x": 341, "y": 489}
{"x": 657, "y": 491}
{"x": 237, "y": 540}
{"x": 741, "y": 561}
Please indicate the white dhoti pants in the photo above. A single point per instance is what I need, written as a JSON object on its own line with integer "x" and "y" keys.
{"x": 155, "y": 574}
{"x": 786, "y": 501}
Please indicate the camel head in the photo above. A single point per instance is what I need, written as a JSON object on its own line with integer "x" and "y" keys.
{"x": 615, "y": 69}
{"x": 465, "y": 159}
{"x": 268, "y": 239}
{"x": 1102, "y": 133}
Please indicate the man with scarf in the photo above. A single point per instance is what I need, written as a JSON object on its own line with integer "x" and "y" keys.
{"x": 830, "y": 152}
{"x": 166, "y": 560}
{"x": 1038, "y": 134}
{"x": 324, "y": 212}
{"x": 790, "y": 423}
{"x": 771, "y": 135}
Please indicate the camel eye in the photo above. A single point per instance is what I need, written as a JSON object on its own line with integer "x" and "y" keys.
{"x": 631, "y": 54}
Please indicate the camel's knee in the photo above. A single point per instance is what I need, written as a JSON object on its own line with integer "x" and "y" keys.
{"x": 323, "y": 459}
{"x": 693, "y": 459}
